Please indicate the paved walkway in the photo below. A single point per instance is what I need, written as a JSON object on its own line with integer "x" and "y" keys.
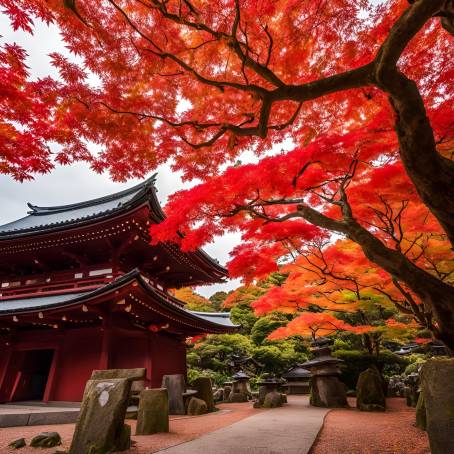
{"x": 291, "y": 429}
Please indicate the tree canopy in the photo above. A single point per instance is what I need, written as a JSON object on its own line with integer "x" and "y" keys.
{"x": 363, "y": 91}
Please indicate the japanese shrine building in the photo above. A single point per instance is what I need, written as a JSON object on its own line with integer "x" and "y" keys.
{"x": 81, "y": 288}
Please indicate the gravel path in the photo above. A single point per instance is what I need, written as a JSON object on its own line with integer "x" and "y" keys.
{"x": 182, "y": 429}
{"x": 354, "y": 432}
{"x": 291, "y": 429}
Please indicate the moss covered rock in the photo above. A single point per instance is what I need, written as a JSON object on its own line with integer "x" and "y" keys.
{"x": 369, "y": 391}
{"x": 46, "y": 440}
{"x": 421, "y": 421}
{"x": 273, "y": 400}
{"x": 437, "y": 380}
{"x": 197, "y": 407}
{"x": 100, "y": 426}
{"x": 17, "y": 444}
{"x": 153, "y": 413}
{"x": 204, "y": 388}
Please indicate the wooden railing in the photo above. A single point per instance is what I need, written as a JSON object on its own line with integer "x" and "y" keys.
{"x": 55, "y": 284}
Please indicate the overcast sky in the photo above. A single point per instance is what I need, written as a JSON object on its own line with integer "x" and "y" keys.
{"x": 77, "y": 182}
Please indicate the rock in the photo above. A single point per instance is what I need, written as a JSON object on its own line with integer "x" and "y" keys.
{"x": 369, "y": 391}
{"x": 153, "y": 415}
{"x": 204, "y": 389}
{"x": 176, "y": 386}
{"x": 128, "y": 374}
{"x": 263, "y": 391}
{"x": 197, "y": 407}
{"x": 412, "y": 389}
{"x": 237, "y": 397}
{"x": 421, "y": 412}
{"x": 46, "y": 440}
{"x": 17, "y": 444}
{"x": 124, "y": 439}
{"x": 227, "y": 391}
{"x": 257, "y": 404}
{"x": 284, "y": 398}
{"x": 328, "y": 391}
{"x": 218, "y": 395}
{"x": 437, "y": 379}
{"x": 100, "y": 427}
{"x": 272, "y": 400}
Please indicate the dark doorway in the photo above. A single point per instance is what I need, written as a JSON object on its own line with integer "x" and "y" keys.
{"x": 32, "y": 375}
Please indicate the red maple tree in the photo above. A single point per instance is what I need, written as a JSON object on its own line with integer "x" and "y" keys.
{"x": 365, "y": 93}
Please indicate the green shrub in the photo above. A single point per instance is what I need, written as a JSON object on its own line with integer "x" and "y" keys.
{"x": 416, "y": 360}
{"x": 356, "y": 361}
{"x": 217, "y": 378}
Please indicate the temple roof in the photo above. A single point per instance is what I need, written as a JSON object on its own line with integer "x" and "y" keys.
{"x": 219, "y": 322}
{"x": 45, "y": 219}
{"x": 297, "y": 372}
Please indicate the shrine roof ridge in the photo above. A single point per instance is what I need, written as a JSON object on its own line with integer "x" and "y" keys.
{"x": 49, "y": 302}
{"x": 42, "y": 219}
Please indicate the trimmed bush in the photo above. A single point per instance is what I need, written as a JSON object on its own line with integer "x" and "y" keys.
{"x": 356, "y": 361}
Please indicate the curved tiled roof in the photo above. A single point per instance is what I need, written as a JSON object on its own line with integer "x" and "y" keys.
{"x": 42, "y": 303}
{"x": 44, "y": 219}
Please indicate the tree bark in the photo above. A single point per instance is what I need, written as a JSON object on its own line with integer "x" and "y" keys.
{"x": 436, "y": 295}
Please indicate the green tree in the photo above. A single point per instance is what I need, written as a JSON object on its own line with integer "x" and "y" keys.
{"x": 266, "y": 325}
{"x": 217, "y": 299}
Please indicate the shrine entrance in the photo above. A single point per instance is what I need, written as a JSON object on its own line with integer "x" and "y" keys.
{"x": 28, "y": 374}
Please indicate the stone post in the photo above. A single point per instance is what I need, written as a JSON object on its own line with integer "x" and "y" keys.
{"x": 153, "y": 414}
{"x": 204, "y": 389}
{"x": 176, "y": 386}
{"x": 100, "y": 427}
{"x": 437, "y": 380}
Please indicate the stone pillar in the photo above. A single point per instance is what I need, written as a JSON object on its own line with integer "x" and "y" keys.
{"x": 100, "y": 426}
{"x": 204, "y": 389}
{"x": 153, "y": 414}
{"x": 176, "y": 386}
{"x": 437, "y": 380}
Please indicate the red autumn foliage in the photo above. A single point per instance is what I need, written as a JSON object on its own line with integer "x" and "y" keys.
{"x": 364, "y": 91}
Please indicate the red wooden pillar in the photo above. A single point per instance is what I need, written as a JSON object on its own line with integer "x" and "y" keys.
{"x": 104, "y": 359}
{"x": 149, "y": 360}
{"x": 3, "y": 373}
{"x": 52, "y": 374}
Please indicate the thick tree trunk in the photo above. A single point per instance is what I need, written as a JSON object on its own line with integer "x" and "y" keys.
{"x": 437, "y": 296}
{"x": 431, "y": 173}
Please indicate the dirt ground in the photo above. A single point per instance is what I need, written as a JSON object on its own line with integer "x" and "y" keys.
{"x": 354, "y": 432}
{"x": 182, "y": 429}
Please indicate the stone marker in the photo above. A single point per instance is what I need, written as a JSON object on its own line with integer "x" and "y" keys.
{"x": 238, "y": 397}
{"x": 17, "y": 444}
{"x": 218, "y": 395}
{"x": 176, "y": 386}
{"x": 100, "y": 427}
{"x": 437, "y": 379}
{"x": 273, "y": 400}
{"x": 153, "y": 415}
{"x": 369, "y": 391}
{"x": 128, "y": 374}
{"x": 421, "y": 421}
{"x": 197, "y": 407}
{"x": 227, "y": 391}
{"x": 46, "y": 440}
{"x": 204, "y": 389}
{"x": 412, "y": 389}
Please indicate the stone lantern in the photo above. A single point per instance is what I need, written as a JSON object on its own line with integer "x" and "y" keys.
{"x": 327, "y": 389}
{"x": 240, "y": 388}
{"x": 268, "y": 384}
{"x": 298, "y": 380}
